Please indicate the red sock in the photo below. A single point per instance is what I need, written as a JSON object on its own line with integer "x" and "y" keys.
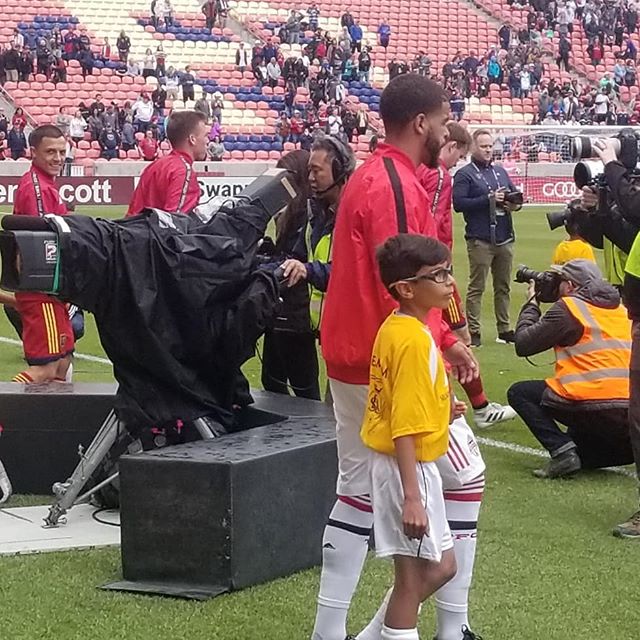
{"x": 23, "y": 377}
{"x": 475, "y": 393}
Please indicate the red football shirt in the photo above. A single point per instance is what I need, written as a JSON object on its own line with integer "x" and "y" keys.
{"x": 169, "y": 183}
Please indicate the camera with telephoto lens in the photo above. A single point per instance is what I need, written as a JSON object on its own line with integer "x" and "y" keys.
{"x": 514, "y": 197}
{"x": 546, "y": 283}
{"x": 567, "y": 217}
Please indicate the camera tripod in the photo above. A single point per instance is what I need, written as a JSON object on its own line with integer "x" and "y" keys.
{"x": 111, "y": 438}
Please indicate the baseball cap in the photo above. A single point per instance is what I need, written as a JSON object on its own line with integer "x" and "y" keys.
{"x": 579, "y": 271}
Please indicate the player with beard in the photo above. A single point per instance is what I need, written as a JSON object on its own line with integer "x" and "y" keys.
{"x": 382, "y": 198}
{"x": 170, "y": 183}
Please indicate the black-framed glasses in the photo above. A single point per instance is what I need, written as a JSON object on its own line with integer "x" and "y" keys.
{"x": 440, "y": 276}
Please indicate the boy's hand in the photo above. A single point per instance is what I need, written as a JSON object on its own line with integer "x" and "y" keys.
{"x": 464, "y": 366}
{"x": 414, "y": 519}
{"x": 458, "y": 409}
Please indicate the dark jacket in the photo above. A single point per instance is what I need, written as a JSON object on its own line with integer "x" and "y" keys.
{"x": 471, "y": 186}
{"x": 558, "y": 327}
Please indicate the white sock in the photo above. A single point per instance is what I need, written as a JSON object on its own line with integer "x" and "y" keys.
{"x": 399, "y": 634}
{"x": 374, "y": 629}
{"x": 69, "y": 375}
{"x": 452, "y": 600}
{"x": 344, "y": 550}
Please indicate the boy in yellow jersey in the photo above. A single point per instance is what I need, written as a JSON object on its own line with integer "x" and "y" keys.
{"x": 406, "y": 426}
{"x": 574, "y": 248}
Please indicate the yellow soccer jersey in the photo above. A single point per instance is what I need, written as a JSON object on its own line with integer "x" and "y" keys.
{"x": 572, "y": 250}
{"x": 408, "y": 390}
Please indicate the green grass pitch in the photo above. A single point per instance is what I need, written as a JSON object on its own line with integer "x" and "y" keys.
{"x": 547, "y": 566}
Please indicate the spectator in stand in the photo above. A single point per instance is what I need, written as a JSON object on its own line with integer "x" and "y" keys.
{"x": 260, "y": 73}
{"x": 630, "y": 76}
{"x": 11, "y": 64}
{"x": 19, "y": 118}
{"x": 293, "y": 26}
{"x": 148, "y": 64}
{"x": 601, "y": 108}
{"x": 18, "y": 39}
{"x": 77, "y": 126}
{"x": 355, "y": 31}
{"x": 216, "y": 129}
{"x": 344, "y": 41}
{"x": 69, "y": 155}
{"x": 334, "y": 122}
{"x": 149, "y": 147}
{"x": 384, "y": 34}
{"x": 564, "y": 49}
{"x": 525, "y": 82}
{"x": 187, "y": 82}
{"x": 17, "y": 142}
{"x": 243, "y": 57}
{"x": 128, "y": 141}
{"x": 457, "y": 106}
{"x": 123, "y": 44}
{"x": 142, "y": 110}
{"x": 3, "y": 74}
{"x": 95, "y": 125}
{"x": 202, "y": 105}
{"x": 59, "y": 70}
{"x": 159, "y": 99}
{"x": 109, "y": 143}
{"x": 296, "y": 127}
{"x": 167, "y": 13}
{"x": 209, "y": 8}
{"x": 362, "y": 120}
{"x": 630, "y": 51}
{"x": 3, "y": 145}
{"x": 215, "y": 149}
{"x": 161, "y": 62}
{"x": 346, "y": 19}
{"x": 25, "y": 65}
{"x": 596, "y": 52}
{"x": 105, "y": 51}
{"x": 86, "y": 60}
{"x": 110, "y": 117}
{"x": 133, "y": 68}
{"x": 157, "y": 13}
{"x": 269, "y": 50}
{"x": 364, "y": 65}
{"x": 273, "y": 72}
{"x": 62, "y": 120}
{"x": 97, "y": 105}
{"x": 504, "y": 36}
{"x": 619, "y": 70}
{"x": 217, "y": 106}
{"x": 283, "y": 129}
{"x": 172, "y": 84}
{"x": 313, "y": 14}
{"x": 4, "y": 123}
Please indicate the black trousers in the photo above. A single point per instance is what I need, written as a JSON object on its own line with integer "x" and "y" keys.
{"x": 601, "y": 436}
{"x": 290, "y": 360}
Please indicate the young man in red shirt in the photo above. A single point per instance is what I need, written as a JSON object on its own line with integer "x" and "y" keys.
{"x": 382, "y": 198}
{"x": 149, "y": 146}
{"x": 170, "y": 183}
{"x": 438, "y": 184}
{"x": 47, "y": 334}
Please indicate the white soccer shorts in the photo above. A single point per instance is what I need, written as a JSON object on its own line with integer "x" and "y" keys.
{"x": 463, "y": 461}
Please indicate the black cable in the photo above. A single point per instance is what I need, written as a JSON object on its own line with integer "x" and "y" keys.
{"x": 94, "y": 515}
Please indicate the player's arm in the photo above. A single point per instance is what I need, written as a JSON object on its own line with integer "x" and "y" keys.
{"x": 8, "y": 299}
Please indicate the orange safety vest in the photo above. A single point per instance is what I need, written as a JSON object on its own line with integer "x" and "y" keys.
{"x": 597, "y": 366}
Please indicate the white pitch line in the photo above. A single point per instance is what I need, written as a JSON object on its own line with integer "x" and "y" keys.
{"x": 80, "y": 356}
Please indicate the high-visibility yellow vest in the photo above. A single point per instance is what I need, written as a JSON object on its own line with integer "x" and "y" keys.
{"x": 632, "y": 266}
{"x": 321, "y": 253}
{"x": 614, "y": 263}
{"x": 597, "y": 366}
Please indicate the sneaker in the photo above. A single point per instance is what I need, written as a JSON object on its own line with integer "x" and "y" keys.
{"x": 561, "y": 466}
{"x": 492, "y": 414}
{"x": 476, "y": 340}
{"x": 506, "y": 337}
{"x": 630, "y": 528}
{"x": 467, "y": 634}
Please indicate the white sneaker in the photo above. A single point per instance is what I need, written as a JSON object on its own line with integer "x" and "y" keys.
{"x": 492, "y": 414}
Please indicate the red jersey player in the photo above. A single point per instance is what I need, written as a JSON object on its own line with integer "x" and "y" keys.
{"x": 170, "y": 183}
{"x": 47, "y": 335}
{"x": 438, "y": 184}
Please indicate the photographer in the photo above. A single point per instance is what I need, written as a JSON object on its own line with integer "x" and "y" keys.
{"x": 485, "y": 195}
{"x": 589, "y": 392}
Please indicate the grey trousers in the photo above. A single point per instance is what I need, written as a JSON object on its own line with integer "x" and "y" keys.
{"x": 483, "y": 256}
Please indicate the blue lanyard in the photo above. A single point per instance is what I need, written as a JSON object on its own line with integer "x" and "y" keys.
{"x": 495, "y": 177}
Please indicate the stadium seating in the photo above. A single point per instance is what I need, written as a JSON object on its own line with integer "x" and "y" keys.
{"x": 441, "y": 28}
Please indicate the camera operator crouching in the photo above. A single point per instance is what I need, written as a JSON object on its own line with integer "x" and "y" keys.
{"x": 589, "y": 330}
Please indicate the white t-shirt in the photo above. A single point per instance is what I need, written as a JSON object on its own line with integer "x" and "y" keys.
{"x": 602, "y": 103}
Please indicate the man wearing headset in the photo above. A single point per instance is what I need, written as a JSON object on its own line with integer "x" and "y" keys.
{"x": 330, "y": 165}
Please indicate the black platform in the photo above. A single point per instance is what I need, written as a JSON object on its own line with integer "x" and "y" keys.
{"x": 43, "y": 426}
{"x": 207, "y": 517}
